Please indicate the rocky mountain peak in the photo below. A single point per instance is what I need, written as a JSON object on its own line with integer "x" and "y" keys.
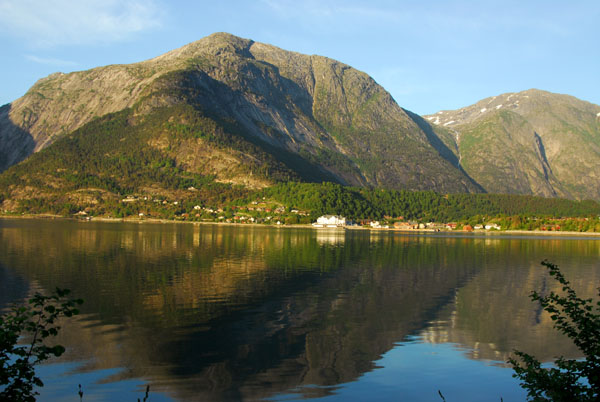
{"x": 217, "y": 44}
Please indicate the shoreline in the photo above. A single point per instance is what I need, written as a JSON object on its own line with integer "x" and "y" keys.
{"x": 310, "y": 226}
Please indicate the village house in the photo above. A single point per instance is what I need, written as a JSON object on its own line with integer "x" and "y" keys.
{"x": 330, "y": 221}
{"x": 435, "y": 226}
{"x": 405, "y": 226}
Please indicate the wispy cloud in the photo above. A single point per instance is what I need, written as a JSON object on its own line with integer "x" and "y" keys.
{"x": 47, "y": 23}
{"x": 50, "y": 61}
{"x": 444, "y": 16}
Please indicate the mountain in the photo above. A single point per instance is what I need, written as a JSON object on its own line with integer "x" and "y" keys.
{"x": 223, "y": 110}
{"x": 224, "y": 115}
{"x": 530, "y": 142}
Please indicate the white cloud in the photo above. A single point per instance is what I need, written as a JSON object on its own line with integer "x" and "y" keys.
{"x": 73, "y": 22}
{"x": 50, "y": 61}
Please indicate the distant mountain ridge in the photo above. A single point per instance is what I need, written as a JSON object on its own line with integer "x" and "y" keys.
{"x": 231, "y": 110}
{"x": 530, "y": 142}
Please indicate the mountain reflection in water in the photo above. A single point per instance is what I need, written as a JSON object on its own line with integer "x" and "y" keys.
{"x": 233, "y": 313}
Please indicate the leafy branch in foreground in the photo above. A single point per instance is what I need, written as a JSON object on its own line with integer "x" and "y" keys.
{"x": 37, "y": 321}
{"x": 570, "y": 380}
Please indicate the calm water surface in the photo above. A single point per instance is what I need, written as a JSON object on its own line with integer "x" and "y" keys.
{"x": 218, "y": 313}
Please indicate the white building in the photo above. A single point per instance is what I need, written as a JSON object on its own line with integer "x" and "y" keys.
{"x": 330, "y": 221}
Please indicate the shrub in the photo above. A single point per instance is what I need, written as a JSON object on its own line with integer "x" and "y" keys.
{"x": 569, "y": 380}
{"x": 37, "y": 321}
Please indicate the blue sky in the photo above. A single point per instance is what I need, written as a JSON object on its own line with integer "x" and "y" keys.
{"x": 430, "y": 55}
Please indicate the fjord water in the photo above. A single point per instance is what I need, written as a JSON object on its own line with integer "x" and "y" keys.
{"x": 218, "y": 313}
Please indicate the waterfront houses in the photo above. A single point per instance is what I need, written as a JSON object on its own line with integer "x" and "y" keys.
{"x": 330, "y": 221}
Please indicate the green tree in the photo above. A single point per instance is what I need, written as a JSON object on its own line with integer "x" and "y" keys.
{"x": 37, "y": 321}
{"x": 569, "y": 380}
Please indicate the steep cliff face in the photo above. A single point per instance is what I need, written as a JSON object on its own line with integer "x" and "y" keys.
{"x": 309, "y": 112}
{"x": 16, "y": 143}
{"x": 531, "y": 142}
